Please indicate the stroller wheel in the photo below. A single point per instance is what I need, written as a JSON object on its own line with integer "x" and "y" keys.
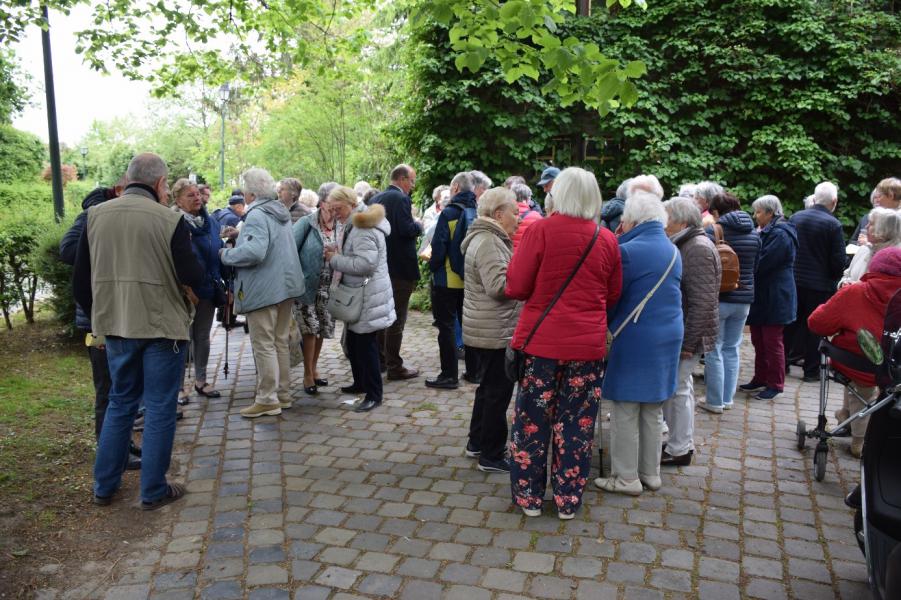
{"x": 819, "y": 463}
{"x": 801, "y": 430}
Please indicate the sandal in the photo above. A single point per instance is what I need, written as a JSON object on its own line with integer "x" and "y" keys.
{"x": 174, "y": 491}
{"x": 202, "y": 390}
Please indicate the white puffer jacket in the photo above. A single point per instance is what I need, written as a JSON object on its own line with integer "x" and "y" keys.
{"x": 365, "y": 255}
{"x": 489, "y": 317}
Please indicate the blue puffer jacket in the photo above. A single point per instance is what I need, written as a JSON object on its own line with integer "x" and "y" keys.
{"x": 738, "y": 231}
{"x": 206, "y": 243}
{"x": 775, "y": 298}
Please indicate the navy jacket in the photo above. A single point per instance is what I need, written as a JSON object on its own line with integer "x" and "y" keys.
{"x": 738, "y": 231}
{"x": 450, "y": 229}
{"x": 227, "y": 217}
{"x": 821, "y": 249}
{"x": 775, "y": 297}
{"x": 205, "y": 243}
{"x": 401, "y": 243}
{"x": 68, "y": 246}
{"x": 612, "y": 213}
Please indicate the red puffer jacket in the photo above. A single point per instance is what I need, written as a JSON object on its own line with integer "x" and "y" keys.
{"x": 576, "y": 327}
{"x": 527, "y": 216}
{"x": 860, "y": 305}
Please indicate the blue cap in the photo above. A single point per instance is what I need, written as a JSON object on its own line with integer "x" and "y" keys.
{"x": 548, "y": 175}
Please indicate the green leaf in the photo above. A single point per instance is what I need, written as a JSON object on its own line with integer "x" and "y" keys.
{"x": 510, "y": 9}
{"x": 636, "y": 68}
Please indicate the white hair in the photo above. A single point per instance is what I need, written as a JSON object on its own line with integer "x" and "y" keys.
{"x": 769, "y": 204}
{"x": 522, "y": 191}
{"x": 309, "y": 198}
{"x": 825, "y": 194}
{"x": 479, "y": 179}
{"x": 706, "y": 191}
{"x": 646, "y": 183}
{"x": 623, "y": 190}
{"x": 642, "y": 207}
{"x": 361, "y": 187}
{"x": 886, "y": 226}
{"x": 146, "y": 168}
{"x": 808, "y": 201}
{"x": 463, "y": 181}
{"x": 683, "y": 210}
{"x": 259, "y": 183}
{"x": 687, "y": 190}
{"x": 576, "y": 193}
{"x": 496, "y": 199}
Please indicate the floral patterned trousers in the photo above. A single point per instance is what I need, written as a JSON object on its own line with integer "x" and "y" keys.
{"x": 556, "y": 408}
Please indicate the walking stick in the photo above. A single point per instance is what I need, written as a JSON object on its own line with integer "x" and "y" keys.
{"x": 227, "y": 314}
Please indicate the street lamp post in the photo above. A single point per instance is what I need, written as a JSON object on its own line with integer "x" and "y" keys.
{"x": 84, "y": 161}
{"x": 224, "y": 92}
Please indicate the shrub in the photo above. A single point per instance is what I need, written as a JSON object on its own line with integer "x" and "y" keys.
{"x": 21, "y": 193}
{"x": 55, "y": 275}
{"x": 69, "y": 173}
{"x": 18, "y": 279}
{"x": 21, "y": 154}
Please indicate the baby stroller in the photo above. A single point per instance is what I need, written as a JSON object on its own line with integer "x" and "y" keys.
{"x": 878, "y": 360}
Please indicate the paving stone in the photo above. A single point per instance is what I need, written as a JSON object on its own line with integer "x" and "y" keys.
{"x": 222, "y": 590}
{"x": 304, "y": 570}
{"x": 504, "y": 579}
{"x": 671, "y": 580}
{"x": 175, "y": 579}
{"x": 422, "y": 590}
{"x": 267, "y": 554}
{"x": 544, "y": 586}
{"x": 715, "y": 590}
{"x": 266, "y": 574}
{"x": 593, "y": 590}
{"x": 312, "y": 592}
{"x": 625, "y": 573}
{"x": 419, "y": 567}
{"x": 532, "y": 562}
{"x": 380, "y": 585}
{"x": 582, "y": 567}
{"x": 460, "y": 573}
{"x": 338, "y": 577}
{"x": 466, "y": 592}
{"x": 269, "y": 594}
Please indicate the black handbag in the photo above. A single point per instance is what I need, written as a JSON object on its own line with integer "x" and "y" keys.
{"x": 515, "y": 358}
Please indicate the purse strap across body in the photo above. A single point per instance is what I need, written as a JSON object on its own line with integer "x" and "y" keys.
{"x": 563, "y": 287}
{"x": 636, "y": 312}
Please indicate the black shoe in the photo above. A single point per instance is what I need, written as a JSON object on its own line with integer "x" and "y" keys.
{"x": 311, "y": 389}
{"x": 461, "y": 354}
{"x": 768, "y": 394}
{"x": 853, "y": 500}
{"x": 352, "y": 389}
{"x": 471, "y": 451}
{"x": 442, "y": 382}
{"x": 752, "y": 386}
{"x": 133, "y": 464}
{"x": 103, "y": 500}
{"x": 668, "y": 460}
{"x": 321, "y": 382}
{"x": 134, "y": 449}
{"x": 366, "y": 406}
{"x": 811, "y": 379}
{"x": 486, "y": 465}
{"x": 471, "y": 379}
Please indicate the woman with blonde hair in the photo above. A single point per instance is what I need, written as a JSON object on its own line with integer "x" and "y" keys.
{"x": 883, "y": 230}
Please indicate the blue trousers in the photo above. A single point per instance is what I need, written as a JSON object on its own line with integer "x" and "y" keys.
{"x": 555, "y": 412}
{"x": 148, "y": 369}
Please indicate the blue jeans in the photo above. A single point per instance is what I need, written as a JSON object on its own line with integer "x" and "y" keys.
{"x": 148, "y": 369}
{"x": 721, "y": 363}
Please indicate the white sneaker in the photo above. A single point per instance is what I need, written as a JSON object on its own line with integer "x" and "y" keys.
{"x": 728, "y": 406}
{"x": 619, "y": 486}
{"x": 717, "y": 410}
{"x": 651, "y": 482}
{"x": 531, "y": 512}
{"x": 566, "y": 516}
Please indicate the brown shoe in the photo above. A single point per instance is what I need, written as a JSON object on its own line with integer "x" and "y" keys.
{"x": 404, "y": 373}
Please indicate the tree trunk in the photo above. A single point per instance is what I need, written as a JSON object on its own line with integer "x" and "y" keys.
{"x": 583, "y": 8}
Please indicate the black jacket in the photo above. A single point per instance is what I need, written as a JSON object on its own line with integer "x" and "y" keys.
{"x": 738, "y": 231}
{"x": 821, "y": 249}
{"x": 401, "y": 244}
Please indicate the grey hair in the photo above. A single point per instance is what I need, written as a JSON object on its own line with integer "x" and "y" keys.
{"x": 479, "y": 179}
{"x": 495, "y": 199}
{"x": 646, "y": 183}
{"x": 687, "y": 190}
{"x": 808, "y": 201}
{"x": 623, "y": 190}
{"x": 259, "y": 183}
{"x": 683, "y": 210}
{"x": 436, "y": 193}
{"x": 309, "y": 198}
{"x": 886, "y": 226}
{"x": 522, "y": 191}
{"x": 825, "y": 193}
{"x": 146, "y": 168}
{"x": 768, "y": 204}
{"x": 463, "y": 181}
{"x": 361, "y": 187}
{"x": 293, "y": 185}
{"x": 576, "y": 193}
{"x": 643, "y": 207}
{"x": 707, "y": 191}
{"x": 325, "y": 189}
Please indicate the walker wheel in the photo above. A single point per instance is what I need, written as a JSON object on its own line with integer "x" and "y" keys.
{"x": 801, "y": 430}
{"x": 819, "y": 463}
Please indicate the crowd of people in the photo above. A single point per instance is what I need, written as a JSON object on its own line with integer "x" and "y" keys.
{"x": 552, "y": 307}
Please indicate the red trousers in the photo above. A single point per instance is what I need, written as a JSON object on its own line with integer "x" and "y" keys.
{"x": 769, "y": 356}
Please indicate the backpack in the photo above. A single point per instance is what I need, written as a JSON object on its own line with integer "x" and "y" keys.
{"x": 729, "y": 261}
{"x": 467, "y": 216}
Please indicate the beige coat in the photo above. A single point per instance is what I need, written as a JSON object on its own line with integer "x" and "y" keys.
{"x": 489, "y": 317}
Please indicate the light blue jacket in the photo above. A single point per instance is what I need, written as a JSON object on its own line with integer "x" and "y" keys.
{"x": 308, "y": 240}
{"x": 268, "y": 270}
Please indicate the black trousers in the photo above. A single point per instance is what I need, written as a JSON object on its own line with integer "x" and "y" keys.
{"x": 102, "y": 383}
{"x": 798, "y": 339}
{"x": 447, "y": 303}
{"x": 363, "y": 353}
{"x": 390, "y": 340}
{"x": 488, "y": 427}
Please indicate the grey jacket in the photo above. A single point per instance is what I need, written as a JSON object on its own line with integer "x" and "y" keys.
{"x": 701, "y": 273}
{"x": 268, "y": 270}
{"x": 489, "y": 317}
{"x": 365, "y": 255}
{"x": 308, "y": 239}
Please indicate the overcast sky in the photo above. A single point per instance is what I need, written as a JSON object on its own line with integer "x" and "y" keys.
{"x": 82, "y": 95}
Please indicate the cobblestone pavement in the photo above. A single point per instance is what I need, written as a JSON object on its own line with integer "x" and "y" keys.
{"x": 325, "y": 503}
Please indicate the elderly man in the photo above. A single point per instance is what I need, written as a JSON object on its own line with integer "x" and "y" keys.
{"x": 268, "y": 279}
{"x": 446, "y": 265}
{"x": 705, "y": 192}
{"x": 819, "y": 265}
{"x": 480, "y": 183}
{"x": 546, "y": 183}
{"x": 231, "y": 215}
{"x": 403, "y": 268}
{"x": 700, "y": 285}
{"x": 133, "y": 261}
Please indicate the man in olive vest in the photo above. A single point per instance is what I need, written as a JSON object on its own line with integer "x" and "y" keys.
{"x": 133, "y": 263}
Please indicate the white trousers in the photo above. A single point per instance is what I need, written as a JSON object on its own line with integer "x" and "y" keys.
{"x": 679, "y": 410}
{"x": 635, "y": 440}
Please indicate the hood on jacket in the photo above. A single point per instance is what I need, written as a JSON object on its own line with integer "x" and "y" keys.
{"x": 738, "y": 221}
{"x": 485, "y": 225}
{"x": 686, "y": 234}
{"x": 612, "y": 208}
{"x": 97, "y": 196}
{"x": 785, "y": 225}
{"x": 880, "y": 287}
{"x": 373, "y": 217}
{"x": 272, "y": 207}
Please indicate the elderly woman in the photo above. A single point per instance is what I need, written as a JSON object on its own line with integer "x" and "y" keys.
{"x": 643, "y": 366}
{"x": 312, "y": 234}
{"x": 886, "y": 194}
{"x": 206, "y": 244}
{"x": 721, "y": 364}
{"x": 289, "y": 190}
{"x": 489, "y": 318}
{"x": 567, "y": 269}
{"x": 775, "y": 298}
{"x": 883, "y": 229}
{"x": 267, "y": 281}
{"x": 701, "y": 272}
{"x": 527, "y": 214}
{"x": 363, "y": 256}
{"x": 855, "y": 307}
{"x": 705, "y": 192}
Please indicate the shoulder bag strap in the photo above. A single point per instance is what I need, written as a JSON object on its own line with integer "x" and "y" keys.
{"x": 563, "y": 287}
{"x": 718, "y": 233}
{"x": 636, "y": 312}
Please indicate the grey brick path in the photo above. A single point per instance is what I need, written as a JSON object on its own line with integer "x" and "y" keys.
{"x": 326, "y": 503}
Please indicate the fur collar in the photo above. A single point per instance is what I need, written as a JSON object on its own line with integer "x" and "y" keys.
{"x": 370, "y": 217}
